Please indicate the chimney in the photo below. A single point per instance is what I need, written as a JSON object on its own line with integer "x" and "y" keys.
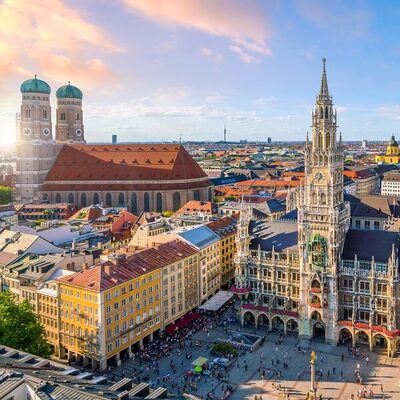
{"x": 107, "y": 269}
{"x": 84, "y": 266}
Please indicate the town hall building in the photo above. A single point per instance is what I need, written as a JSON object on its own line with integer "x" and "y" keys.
{"x": 308, "y": 272}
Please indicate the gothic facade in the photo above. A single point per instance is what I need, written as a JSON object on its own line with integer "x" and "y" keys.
{"x": 313, "y": 275}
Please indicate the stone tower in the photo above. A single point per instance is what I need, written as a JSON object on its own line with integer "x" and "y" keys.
{"x": 69, "y": 125}
{"x": 323, "y": 221}
{"x": 35, "y": 146}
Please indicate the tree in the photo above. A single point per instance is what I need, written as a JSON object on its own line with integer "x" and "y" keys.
{"x": 20, "y": 327}
{"x": 5, "y": 194}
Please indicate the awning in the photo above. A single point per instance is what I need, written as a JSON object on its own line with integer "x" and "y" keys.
{"x": 181, "y": 322}
{"x": 200, "y": 362}
{"x": 217, "y": 301}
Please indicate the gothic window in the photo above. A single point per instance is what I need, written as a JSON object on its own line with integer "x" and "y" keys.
{"x": 328, "y": 140}
{"x": 45, "y": 114}
{"x": 196, "y": 195}
{"x": 27, "y": 113}
{"x": 321, "y": 112}
{"x": 108, "y": 200}
{"x": 326, "y": 113}
{"x": 83, "y": 200}
{"x": 159, "y": 204}
{"x": 314, "y": 198}
{"x": 96, "y": 199}
{"x": 62, "y": 116}
{"x": 70, "y": 198}
{"x": 323, "y": 199}
{"x": 45, "y": 197}
{"x": 58, "y": 198}
{"x": 176, "y": 201}
{"x": 134, "y": 203}
{"x": 146, "y": 202}
{"x": 121, "y": 200}
{"x": 320, "y": 139}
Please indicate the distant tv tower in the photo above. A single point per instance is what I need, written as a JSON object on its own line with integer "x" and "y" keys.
{"x": 225, "y": 132}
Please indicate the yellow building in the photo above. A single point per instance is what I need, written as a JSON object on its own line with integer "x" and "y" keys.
{"x": 392, "y": 155}
{"x": 225, "y": 228}
{"x": 107, "y": 311}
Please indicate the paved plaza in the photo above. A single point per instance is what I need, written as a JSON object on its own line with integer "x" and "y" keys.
{"x": 337, "y": 380}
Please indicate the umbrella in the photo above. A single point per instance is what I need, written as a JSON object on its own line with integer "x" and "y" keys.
{"x": 198, "y": 369}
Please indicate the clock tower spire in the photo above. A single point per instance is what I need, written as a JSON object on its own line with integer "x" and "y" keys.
{"x": 323, "y": 219}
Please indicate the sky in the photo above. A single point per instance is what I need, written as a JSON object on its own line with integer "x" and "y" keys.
{"x": 155, "y": 70}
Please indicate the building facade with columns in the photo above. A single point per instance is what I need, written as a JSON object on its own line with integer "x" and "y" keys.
{"x": 315, "y": 276}
{"x": 140, "y": 177}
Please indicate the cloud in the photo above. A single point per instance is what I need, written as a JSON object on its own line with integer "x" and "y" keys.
{"x": 246, "y": 57}
{"x": 217, "y": 98}
{"x": 262, "y": 101}
{"x": 206, "y": 52}
{"x": 241, "y": 21}
{"x": 53, "y": 37}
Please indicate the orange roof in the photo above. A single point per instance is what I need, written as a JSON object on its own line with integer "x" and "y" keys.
{"x": 193, "y": 206}
{"x": 269, "y": 183}
{"x": 99, "y": 277}
{"x": 87, "y": 214}
{"x": 138, "y": 162}
{"x": 223, "y": 227}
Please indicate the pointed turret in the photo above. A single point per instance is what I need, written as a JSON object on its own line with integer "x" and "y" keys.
{"x": 324, "y": 91}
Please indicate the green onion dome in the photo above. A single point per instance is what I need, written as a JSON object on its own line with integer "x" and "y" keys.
{"x": 69, "y": 92}
{"x": 392, "y": 142}
{"x": 35, "y": 86}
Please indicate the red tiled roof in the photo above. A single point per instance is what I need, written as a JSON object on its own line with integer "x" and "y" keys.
{"x": 192, "y": 206}
{"x": 160, "y": 256}
{"x": 98, "y": 278}
{"x": 139, "y": 162}
{"x": 223, "y": 227}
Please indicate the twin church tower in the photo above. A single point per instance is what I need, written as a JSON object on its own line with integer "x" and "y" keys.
{"x": 36, "y": 148}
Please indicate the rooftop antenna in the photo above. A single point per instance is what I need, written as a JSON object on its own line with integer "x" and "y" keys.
{"x": 180, "y": 138}
{"x": 225, "y": 131}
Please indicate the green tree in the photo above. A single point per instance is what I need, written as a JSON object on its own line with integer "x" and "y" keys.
{"x": 5, "y": 194}
{"x": 20, "y": 327}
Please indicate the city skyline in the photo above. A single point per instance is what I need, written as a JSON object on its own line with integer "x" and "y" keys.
{"x": 152, "y": 72}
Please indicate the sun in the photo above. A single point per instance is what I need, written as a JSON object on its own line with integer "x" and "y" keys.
{"x": 7, "y": 134}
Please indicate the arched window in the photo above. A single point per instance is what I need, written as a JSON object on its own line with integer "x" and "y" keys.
{"x": 45, "y": 114}
{"x": 159, "y": 202}
{"x": 323, "y": 199}
{"x": 70, "y": 198}
{"x": 96, "y": 199}
{"x": 108, "y": 200}
{"x": 146, "y": 202}
{"x": 134, "y": 203}
{"x": 77, "y": 116}
{"x": 328, "y": 140}
{"x": 27, "y": 113}
{"x": 322, "y": 112}
{"x": 58, "y": 198}
{"x": 176, "y": 201}
{"x": 320, "y": 140}
{"x": 326, "y": 113}
{"x": 83, "y": 200}
{"x": 45, "y": 197}
{"x": 196, "y": 195}
{"x": 121, "y": 200}
{"x": 210, "y": 194}
{"x": 314, "y": 198}
{"x": 62, "y": 116}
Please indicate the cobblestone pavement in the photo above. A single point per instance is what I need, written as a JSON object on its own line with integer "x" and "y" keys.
{"x": 338, "y": 384}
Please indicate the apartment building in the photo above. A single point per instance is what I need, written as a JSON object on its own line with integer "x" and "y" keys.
{"x": 107, "y": 311}
{"x": 391, "y": 184}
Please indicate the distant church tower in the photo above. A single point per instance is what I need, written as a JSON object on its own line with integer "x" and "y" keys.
{"x": 323, "y": 221}
{"x": 69, "y": 124}
{"x": 35, "y": 145}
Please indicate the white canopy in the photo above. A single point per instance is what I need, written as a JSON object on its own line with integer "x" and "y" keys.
{"x": 217, "y": 301}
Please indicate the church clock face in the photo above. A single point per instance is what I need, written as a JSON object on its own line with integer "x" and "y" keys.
{"x": 27, "y": 131}
{"x": 46, "y": 131}
{"x": 78, "y": 132}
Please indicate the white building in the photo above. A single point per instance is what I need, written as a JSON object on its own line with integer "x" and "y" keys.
{"x": 391, "y": 184}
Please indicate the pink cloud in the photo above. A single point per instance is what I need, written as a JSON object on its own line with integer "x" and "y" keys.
{"x": 53, "y": 37}
{"x": 243, "y": 22}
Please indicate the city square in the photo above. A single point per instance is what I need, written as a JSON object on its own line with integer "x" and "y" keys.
{"x": 335, "y": 369}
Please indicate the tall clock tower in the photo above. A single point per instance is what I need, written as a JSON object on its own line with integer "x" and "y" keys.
{"x": 323, "y": 221}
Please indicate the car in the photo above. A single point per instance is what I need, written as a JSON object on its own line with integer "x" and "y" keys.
{"x": 222, "y": 362}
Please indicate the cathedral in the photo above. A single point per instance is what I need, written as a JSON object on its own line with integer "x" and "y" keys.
{"x": 309, "y": 273}
{"x": 139, "y": 177}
